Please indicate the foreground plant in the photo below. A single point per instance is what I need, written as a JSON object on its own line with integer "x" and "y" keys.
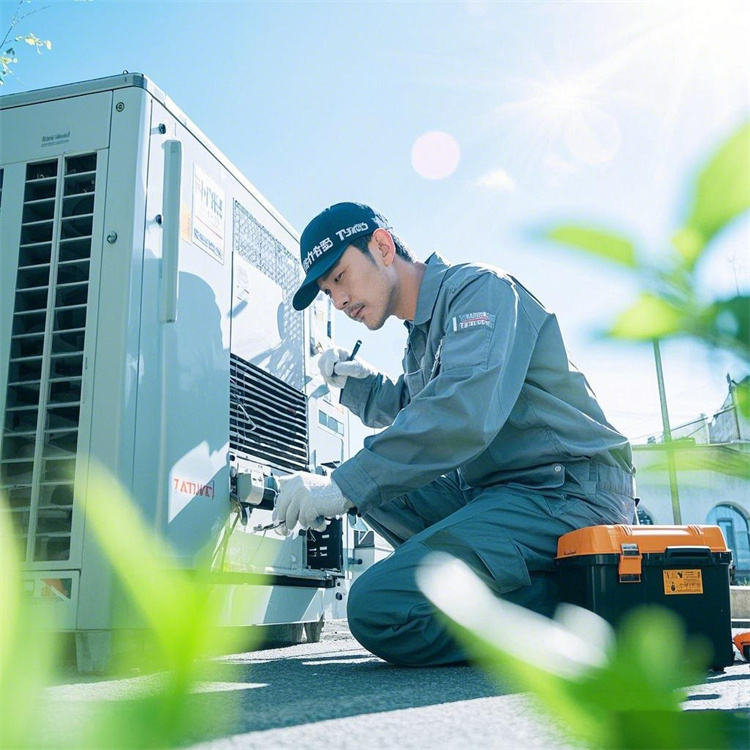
{"x": 671, "y": 303}
{"x": 178, "y": 615}
{"x": 606, "y": 691}
{"x": 26, "y": 659}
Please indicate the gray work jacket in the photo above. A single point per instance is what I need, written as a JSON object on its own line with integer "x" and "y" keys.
{"x": 487, "y": 389}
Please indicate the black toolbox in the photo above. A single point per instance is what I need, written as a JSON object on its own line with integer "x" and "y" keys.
{"x": 614, "y": 569}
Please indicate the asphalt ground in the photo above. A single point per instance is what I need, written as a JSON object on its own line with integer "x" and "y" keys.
{"x": 334, "y": 693}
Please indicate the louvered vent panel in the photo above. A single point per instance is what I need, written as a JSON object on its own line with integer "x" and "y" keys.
{"x": 267, "y": 418}
{"x": 45, "y": 373}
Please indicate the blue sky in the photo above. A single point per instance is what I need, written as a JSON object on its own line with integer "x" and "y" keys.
{"x": 596, "y": 111}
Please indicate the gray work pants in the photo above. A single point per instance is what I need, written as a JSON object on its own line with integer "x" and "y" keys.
{"x": 506, "y": 533}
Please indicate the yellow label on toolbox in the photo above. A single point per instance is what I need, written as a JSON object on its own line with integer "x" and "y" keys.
{"x": 683, "y": 582}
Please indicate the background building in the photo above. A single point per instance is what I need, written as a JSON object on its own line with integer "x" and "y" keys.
{"x": 713, "y": 482}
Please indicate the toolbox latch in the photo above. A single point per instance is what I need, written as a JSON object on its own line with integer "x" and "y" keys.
{"x": 629, "y": 568}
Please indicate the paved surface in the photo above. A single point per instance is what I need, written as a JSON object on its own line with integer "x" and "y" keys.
{"x": 335, "y": 693}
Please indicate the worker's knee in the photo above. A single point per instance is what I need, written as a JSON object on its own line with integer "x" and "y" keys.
{"x": 365, "y": 609}
{"x": 392, "y": 619}
{"x": 383, "y": 603}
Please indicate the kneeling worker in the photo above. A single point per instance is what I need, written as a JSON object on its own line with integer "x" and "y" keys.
{"x": 494, "y": 445}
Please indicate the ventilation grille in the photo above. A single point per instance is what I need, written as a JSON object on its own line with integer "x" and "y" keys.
{"x": 267, "y": 417}
{"x": 45, "y": 369}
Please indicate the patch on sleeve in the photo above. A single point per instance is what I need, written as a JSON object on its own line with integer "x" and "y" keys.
{"x": 473, "y": 320}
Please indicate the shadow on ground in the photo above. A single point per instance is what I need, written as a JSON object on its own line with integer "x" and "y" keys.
{"x": 273, "y": 688}
{"x": 294, "y": 689}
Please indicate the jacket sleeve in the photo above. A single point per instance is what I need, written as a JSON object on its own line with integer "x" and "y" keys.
{"x": 488, "y": 339}
{"x": 376, "y": 399}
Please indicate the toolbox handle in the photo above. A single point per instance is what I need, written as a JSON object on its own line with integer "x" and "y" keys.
{"x": 682, "y": 552}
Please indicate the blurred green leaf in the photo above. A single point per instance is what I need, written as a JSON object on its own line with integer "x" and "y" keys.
{"x": 688, "y": 730}
{"x": 642, "y": 680}
{"x": 178, "y": 611}
{"x": 722, "y": 192}
{"x": 146, "y": 567}
{"x": 689, "y": 243}
{"x": 651, "y": 317}
{"x": 631, "y": 700}
{"x": 742, "y": 395}
{"x": 10, "y": 593}
{"x": 555, "y": 693}
{"x": 726, "y": 323}
{"x": 668, "y": 304}
{"x": 719, "y": 458}
{"x": 653, "y": 649}
{"x": 597, "y": 242}
{"x": 27, "y": 647}
{"x": 515, "y": 645}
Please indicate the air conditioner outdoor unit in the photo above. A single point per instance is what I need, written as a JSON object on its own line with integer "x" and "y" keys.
{"x": 146, "y": 324}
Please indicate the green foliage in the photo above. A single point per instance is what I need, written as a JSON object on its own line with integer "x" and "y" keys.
{"x": 726, "y": 324}
{"x": 25, "y": 660}
{"x": 624, "y": 695}
{"x": 180, "y": 618}
{"x": 173, "y": 605}
{"x": 721, "y": 193}
{"x": 690, "y": 457}
{"x": 651, "y": 317}
{"x": 669, "y": 304}
{"x": 8, "y": 55}
{"x": 604, "y": 244}
{"x": 742, "y": 396}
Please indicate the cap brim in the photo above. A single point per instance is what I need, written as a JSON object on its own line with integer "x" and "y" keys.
{"x": 309, "y": 290}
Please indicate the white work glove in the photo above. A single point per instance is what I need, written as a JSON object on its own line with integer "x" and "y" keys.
{"x": 335, "y": 367}
{"x": 308, "y": 499}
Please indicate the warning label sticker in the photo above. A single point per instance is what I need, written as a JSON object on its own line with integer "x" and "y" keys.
{"x": 683, "y": 582}
{"x": 208, "y": 214}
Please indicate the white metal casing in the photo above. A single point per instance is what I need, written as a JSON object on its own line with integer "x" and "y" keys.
{"x": 184, "y": 277}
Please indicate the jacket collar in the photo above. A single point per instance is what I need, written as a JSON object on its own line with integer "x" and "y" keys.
{"x": 429, "y": 288}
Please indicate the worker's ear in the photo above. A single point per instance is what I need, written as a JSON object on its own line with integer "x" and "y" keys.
{"x": 384, "y": 246}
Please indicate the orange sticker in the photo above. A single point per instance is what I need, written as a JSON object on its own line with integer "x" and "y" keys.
{"x": 683, "y": 582}
{"x": 184, "y": 222}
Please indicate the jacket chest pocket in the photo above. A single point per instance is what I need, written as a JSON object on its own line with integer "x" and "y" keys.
{"x": 413, "y": 375}
{"x": 414, "y": 382}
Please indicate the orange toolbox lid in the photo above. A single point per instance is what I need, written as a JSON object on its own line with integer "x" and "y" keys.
{"x": 602, "y": 540}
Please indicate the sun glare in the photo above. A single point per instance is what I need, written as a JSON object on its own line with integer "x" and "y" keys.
{"x": 659, "y": 56}
{"x": 560, "y": 100}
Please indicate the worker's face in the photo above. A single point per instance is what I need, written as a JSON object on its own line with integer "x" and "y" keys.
{"x": 365, "y": 286}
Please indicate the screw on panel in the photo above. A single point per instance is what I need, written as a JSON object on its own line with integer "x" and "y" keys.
{"x": 112, "y": 238}
{"x": 120, "y": 106}
{"x": 162, "y": 128}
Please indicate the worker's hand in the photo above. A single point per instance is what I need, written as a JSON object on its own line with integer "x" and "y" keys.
{"x": 335, "y": 367}
{"x": 308, "y": 499}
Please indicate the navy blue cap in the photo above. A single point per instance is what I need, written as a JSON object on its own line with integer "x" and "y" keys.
{"x": 326, "y": 237}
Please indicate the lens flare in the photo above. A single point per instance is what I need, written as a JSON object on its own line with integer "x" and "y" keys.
{"x": 435, "y": 155}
